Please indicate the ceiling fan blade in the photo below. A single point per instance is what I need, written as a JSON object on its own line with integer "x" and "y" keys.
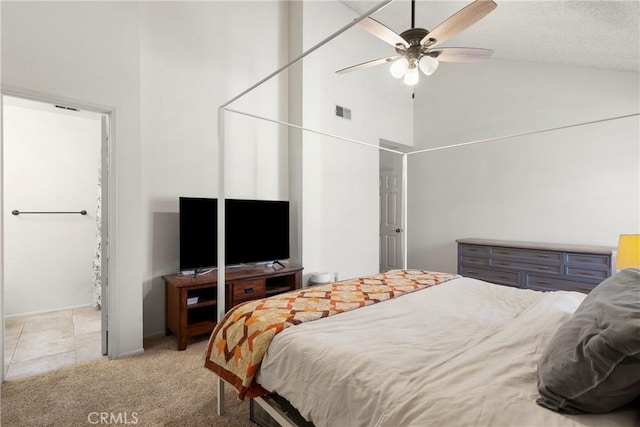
{"x": 383, "y": 32}
{"x": 458, "y": 22}
{"x": 367, "y": 64}
{"x": 460, "y": 54}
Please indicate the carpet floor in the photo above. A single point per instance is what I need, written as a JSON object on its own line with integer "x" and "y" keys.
{"x": 162, "y": 387}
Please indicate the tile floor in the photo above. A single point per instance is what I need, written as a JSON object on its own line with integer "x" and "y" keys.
{"x": 45, "y": 342}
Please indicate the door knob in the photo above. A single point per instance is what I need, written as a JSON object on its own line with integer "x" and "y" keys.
{"x": 398, "y": 230}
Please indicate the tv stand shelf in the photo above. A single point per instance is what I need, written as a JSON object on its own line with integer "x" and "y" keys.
{"x": 242, "y": 284}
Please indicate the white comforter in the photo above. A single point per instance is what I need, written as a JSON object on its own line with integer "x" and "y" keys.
{"x": 463, "y": 353}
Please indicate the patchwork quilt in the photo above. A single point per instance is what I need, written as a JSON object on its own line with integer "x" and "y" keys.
{"x": 239, "y": 342}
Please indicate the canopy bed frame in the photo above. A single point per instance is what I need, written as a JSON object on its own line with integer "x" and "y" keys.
{"x": 222, "y": 141}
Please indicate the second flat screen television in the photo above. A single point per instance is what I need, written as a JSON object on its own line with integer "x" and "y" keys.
{"x": 256, "y": 231}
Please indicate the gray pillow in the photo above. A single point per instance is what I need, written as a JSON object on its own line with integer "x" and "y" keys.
{"x": 592, "y": 363}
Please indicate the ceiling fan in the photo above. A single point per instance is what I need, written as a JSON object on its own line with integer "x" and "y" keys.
{"x": 416, "y": 47}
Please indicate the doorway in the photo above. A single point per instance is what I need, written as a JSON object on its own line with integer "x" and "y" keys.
{"x": 393, "y": 217}
{"x": 391, "y": 226}
{"x": 54, "y": 268}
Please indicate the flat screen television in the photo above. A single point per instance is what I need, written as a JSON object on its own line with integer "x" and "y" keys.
{"x": 256, "y": 231}
{"x": 198, "y": 233}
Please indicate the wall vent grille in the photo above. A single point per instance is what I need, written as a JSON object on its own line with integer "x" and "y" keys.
{"x": 343, "y": 112}
{"x": 67, "y": 108}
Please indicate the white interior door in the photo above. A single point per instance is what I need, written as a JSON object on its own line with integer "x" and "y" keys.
{"x": 391, "y": 227}
{"x": 51, "y": 159}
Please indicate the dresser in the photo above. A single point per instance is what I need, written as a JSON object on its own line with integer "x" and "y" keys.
{"x": 539, "y": 266}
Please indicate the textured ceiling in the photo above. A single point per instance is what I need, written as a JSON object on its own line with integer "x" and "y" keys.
{"x": 599, "y": 34}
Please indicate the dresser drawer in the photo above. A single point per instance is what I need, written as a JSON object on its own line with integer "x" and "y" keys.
{"x": 248, "y": 289}
{"x": 517, "y": 265}
{"x": 474, "y": 260}
{"x": 584, "y": 273}
{"x": 540, "y": 283}
{"x": 474, "y": 251}
{"x": 494, "y": 276}
{"x": 527, "y": 254}
{"x": 602, "y": 261}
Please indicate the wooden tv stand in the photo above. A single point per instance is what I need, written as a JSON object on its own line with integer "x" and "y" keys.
{"x": 242, "y": 284}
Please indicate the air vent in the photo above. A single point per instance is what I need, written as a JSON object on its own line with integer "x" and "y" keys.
{"x": 345, "y": 113}
{"x": 67, "y": 108}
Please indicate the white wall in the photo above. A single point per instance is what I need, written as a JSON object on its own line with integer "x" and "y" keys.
{"x": 89, "y": 52}
{"x": 51, "y": 162}
{"x": 579, "y": 185}
{"x": 165, "y": 67}
{"x": 294, "y": 116}
{"x": 340, "y": 195}
{"x": 195, "y": 56}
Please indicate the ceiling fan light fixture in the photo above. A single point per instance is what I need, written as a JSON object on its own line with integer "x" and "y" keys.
{"x": 428, "y": 65}
{"x": 411, "y": 77}
{"x": 399, "y": 68}
{"x": 415, "y": 48}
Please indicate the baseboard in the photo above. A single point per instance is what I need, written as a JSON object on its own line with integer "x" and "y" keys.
{"x": 153, "y": 334}
{"x": 33, "y": 313}
{"x": 130, "y": 353}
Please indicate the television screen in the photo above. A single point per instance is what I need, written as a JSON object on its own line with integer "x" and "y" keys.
{"x": 256, "y": 231}
{"x": 198, "y": 233}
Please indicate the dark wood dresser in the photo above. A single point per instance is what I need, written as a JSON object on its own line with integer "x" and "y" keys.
{"x": 191, "y": 302}
{"x": 538, "y": 266}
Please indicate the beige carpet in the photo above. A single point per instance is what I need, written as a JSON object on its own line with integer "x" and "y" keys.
{"x": 162, "y": 387}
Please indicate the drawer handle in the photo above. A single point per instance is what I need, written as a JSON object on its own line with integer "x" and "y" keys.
{"x": 584, "y": 273}
{"x": 542, "y": 267}
{"x": 503, "y": 263}
{"x": 472, "y": 250}
{"x": 542, "y": 282}
{"x": 504, "y": 252}
{"x": 584, "y": 259}
{"x": 472, "y": 272}
{"x": 543, "y": 256}
{"x": 248, "y": 290}
{"x": 587, "y": 290}
{"x": 502, "y": 276}
{"x": 473, "y": 259}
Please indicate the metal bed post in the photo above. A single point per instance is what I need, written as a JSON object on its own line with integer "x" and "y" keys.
{"x": 221, "y": 170}
{"x": 405, "y": 198}
{"x": 221, "y": 241}
{"x": 317, "y": 132}
{"x": 516, "y": 135}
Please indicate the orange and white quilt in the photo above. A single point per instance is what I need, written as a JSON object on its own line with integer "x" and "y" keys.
{"x": 239, "y": 342}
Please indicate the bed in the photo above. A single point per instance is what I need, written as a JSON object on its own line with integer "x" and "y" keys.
{"x": 444, "y": 350}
